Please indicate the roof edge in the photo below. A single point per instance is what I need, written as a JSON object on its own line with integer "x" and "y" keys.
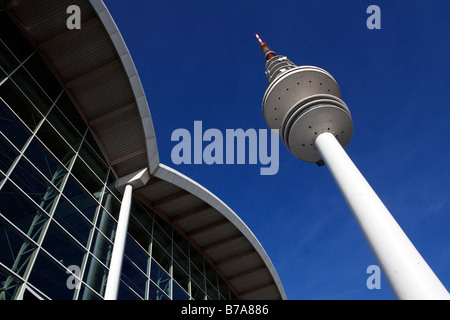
{"x": 122, "y": 50}
{"x": 177, "y": 178}
{"x": 160, "y": 170}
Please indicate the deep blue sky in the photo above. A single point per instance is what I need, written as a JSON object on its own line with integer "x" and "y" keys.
{"x": 199, "y": 60}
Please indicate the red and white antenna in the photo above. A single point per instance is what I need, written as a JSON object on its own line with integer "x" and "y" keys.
{"x": 268, "y": 54}
{"x": 259, "y": 39}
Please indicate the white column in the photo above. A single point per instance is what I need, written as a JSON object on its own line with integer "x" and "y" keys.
{"x": 115, "y": 268}
{"x": 407, "y": 273}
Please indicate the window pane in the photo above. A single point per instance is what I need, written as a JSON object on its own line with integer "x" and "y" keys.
{"x": 44, "y": 77}
{"x": 180, "y": 258}
{"x": 80, "y": 198}
{"x": 72, "y": 220}
{"x": 160, "y": 277}
{"x": 164, "y": 225}
{"x": 139, "y": 232}
{"x": 196, "y": 258}
{"x": 45, "y": 162}
{"x": 102, "y": 248}
{"x": 95, "y": 276}
{"x": 87, "y": 294}
{"x": 94, "y": 161}
{"x": 16, "y": 207}
{"x": 61, "y": 124}
{"x": 10, "y": 285}
{"x": 35, "y": 185}
{"x": 66, "y": 106}
{"x": 133, "y": 277}
{"x": 87, "y": 179}
{"x": 197, "y": 293}
{"x": 125, "y": 293}
{"x": 14, "y": 249}
{"x": 14, "y": 38}
{"x": 141, "y": 224}
{"x": 32, "y": 90}
{"x": 7, "y": 60}
{"x": 110, "y": 203}
{"x": 161, "y": 256}
{"x": 20, "y": 104}
{"x": 213, "y": 293}
{"x": 179, "y": 293}
{"x": 50, "y": 278}
{"x": 89, "y": 138}
{"x": 156, "y": 293}
{"x": 181, "y": 277}
{"x": 136, "y": 254}
{"x": 162, "y": 238}
{"x": 197, "y": 276}
{"x": 7, "y": 154}
{"x": 106, "y": 224}
{"x": 50, "y": 138}
{"x": 12, "y": 128}
{"x": 181, "y": 242}
{"x": 210, "y": 274}
{"x": 223, "y": 288}
{"x": 62, "y": 247}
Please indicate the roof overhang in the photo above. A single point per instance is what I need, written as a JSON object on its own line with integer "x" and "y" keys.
{"x": 96, "y": 69}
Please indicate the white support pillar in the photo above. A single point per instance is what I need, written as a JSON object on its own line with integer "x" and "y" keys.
{"x": 407, "y": 273}
{"x": 134, "y": 180}
{"x": 115, "y": 267}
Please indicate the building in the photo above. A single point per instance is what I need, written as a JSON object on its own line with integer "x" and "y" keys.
{"x": 75, "y": 129}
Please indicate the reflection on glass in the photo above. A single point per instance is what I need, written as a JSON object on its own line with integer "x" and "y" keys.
{"x": 72, "y": 220}
{"x": 95, "y": 277}
{"x": 9, "y": 285}
{"x": 51, "y": 278}
{"x": 197, "y": 293}
{"x": 21, "y": 211}
{"x": 161, "y": 256}
{"x": 42, "y": 159}
{"x": 156, "y": 293}
{"x": 84, "y": 175}
{"x": 181, "y": 277}
{"x": 77, "y": 195}
{"x": 133, "y": 277}
{"x": 36, "y": 66}
{"x": 35, "y": 185}
{"x": 160, "y": 277}
{"x": 32, "y": 90}
{"x": 65, "y": 128}
{"x": 60, "y": 149}
{"x": 102, "y": 248}
{"x": 138, "y": 255}
{"x": 179, "y": 293}
{"x": 13, "y": 38}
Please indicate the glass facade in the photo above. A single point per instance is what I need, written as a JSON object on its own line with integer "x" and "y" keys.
{"x": 59, "y": 206}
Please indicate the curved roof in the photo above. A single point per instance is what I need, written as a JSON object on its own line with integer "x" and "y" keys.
{"x": 96, "y": 69}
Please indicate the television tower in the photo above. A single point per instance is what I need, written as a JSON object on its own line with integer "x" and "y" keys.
{"x": 304, "y": 103}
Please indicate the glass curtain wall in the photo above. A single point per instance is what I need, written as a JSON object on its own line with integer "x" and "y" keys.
{"x": 59, "y": 205}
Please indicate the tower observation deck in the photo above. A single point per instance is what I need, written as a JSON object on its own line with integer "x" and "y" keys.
{"x": 303, "y": 102}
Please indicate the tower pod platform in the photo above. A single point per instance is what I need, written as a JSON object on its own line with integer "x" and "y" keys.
{"x": 303, "y": 102}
